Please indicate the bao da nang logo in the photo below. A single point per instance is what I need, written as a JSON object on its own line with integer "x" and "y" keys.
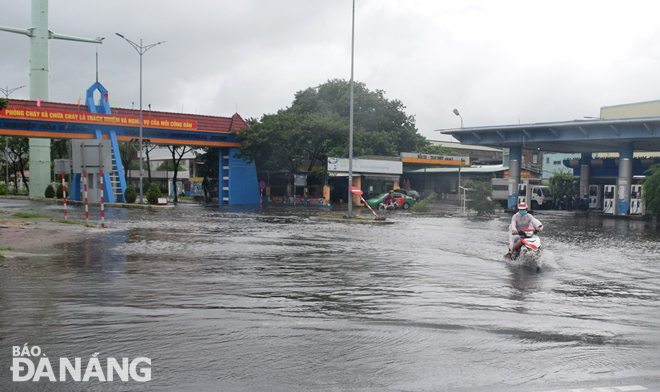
{"x": 31, "y": 364}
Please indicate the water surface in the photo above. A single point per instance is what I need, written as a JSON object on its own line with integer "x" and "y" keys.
{"x": 270, "y": 300}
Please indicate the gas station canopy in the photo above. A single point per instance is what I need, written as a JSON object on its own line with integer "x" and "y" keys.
{"x": 579, "y": 136}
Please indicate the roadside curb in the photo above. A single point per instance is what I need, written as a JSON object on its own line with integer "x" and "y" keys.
{"x": 77, "y": 202}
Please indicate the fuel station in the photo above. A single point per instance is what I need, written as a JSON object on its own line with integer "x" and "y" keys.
{"x": 612, "y": 183}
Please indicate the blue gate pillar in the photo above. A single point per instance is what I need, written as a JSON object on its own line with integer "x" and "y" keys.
{"x": 238, "y": 179}
{"x": 223, "y": 180}
{"x": 585, "y": 172}
{"x": 515, "y": 159}
{"x": 624, "y": 180}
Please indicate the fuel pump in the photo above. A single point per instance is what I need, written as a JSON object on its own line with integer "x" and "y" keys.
{"x": 609, "y": 199}
{"x": 636, "y": 203}
{"x": 522, "y": 194}
{"x": 594, "y": 197}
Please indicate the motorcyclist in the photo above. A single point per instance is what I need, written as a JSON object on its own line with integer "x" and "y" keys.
{"x": 521, "y": 220}
{"x": 388, "y": 200}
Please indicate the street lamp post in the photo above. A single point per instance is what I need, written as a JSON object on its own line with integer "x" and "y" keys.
{"x": 459, "y": 115}
{"x": 141, "y": 50}
{"x": 7, "y": 92}
{"x": 350, "y": 141}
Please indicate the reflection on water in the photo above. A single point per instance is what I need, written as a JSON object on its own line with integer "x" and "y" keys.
{"x": 243, "y": 299}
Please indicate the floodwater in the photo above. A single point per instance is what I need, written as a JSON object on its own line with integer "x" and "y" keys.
{"x": 230, "y": 299}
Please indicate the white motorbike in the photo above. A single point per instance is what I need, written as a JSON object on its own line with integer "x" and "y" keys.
{"x": 529, "y": 253}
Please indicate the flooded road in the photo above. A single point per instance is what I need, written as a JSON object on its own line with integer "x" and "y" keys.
{"x": 271, "y": 300}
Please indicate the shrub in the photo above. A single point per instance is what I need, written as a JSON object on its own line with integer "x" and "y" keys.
{"x": 130, "y": 195}
{"x": 50, "y": 192}
{"x": 153, "y": 193}
{"x": 422, "y": 205}
{"x": 3, "y": 189}
{"x": 651, "y": 194}
{"x": 60, "y": 192}
{"x": 481, "y": 201}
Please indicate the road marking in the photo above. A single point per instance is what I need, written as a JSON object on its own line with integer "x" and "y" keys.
{"x": 626, "y": 388}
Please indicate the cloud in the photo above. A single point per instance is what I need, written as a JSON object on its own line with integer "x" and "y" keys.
{"x": 497, "y": 62}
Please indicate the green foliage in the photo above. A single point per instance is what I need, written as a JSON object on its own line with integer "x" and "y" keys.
{"x": 563, "y": 183}
{"x": 59, "y": 149}
{"x": 481, "y": 201}
{"x": 288, "y": 139}
{"x": 50, "y": 191}
{"x": 423, "y": 205}
{"x": 153, "y": 193}
{"x": 130, "y": 195}
{"x": 317, "y": 126}
{"x": 60, "y": 192}
{"x": 3, "y": 189}
{"x": 4, "y": 102}
{"x": 436, "y": 150}
{"x": 169, "y": 166}
{"x": 651, "y": 194}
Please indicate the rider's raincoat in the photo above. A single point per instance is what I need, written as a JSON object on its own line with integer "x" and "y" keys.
{"x": 520, "y": 222}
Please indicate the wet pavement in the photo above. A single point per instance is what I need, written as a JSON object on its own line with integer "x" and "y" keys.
{"x": 244, "y": 299}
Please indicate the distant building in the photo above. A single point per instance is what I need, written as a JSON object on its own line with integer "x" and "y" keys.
{"x": 479, "y": 155}
{"x": 554, "y": 162}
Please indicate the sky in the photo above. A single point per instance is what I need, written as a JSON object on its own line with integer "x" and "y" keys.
{"x": 496, "y": 62}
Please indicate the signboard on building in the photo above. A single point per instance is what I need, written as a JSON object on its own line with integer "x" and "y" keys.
{"x": 432, "y": 159}
{"x": 338, "y": 167}
{"x": 57, "y": 124}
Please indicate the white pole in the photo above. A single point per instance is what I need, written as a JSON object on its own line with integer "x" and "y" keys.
{"x": 350, "y": 138}
{"x": 64, "y": 194}
{"x": 141, "y": 172}
{"x": 141, "y": 50}
{"x": 85, "y": 195}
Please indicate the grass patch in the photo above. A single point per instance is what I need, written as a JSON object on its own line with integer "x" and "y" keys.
{"x": 25, "y": 215}
{"x": 2, "y": 256}
{"x": 7, "y": 248}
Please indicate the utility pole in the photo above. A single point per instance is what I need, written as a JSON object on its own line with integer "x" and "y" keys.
{"x": 39, "y": 68}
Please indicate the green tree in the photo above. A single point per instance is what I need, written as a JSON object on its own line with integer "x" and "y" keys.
{"x": 4, "y": 102}
{"x": 651, "y": 195}
{"x": 480, "y": 200}
{"x": 316, "y": 126}
{"x": 372, "y": 113}
{"x": 288, "y": 139}
{"x": 18, "y": 159}
{"x": 437, "y": 150}
{"x": 169, "y": 166}
{"x": 177, "y": 154}
{"x": 563, "y": 183}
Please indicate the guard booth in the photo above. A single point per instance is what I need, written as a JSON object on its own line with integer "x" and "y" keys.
{"x": 91, "y": 158}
